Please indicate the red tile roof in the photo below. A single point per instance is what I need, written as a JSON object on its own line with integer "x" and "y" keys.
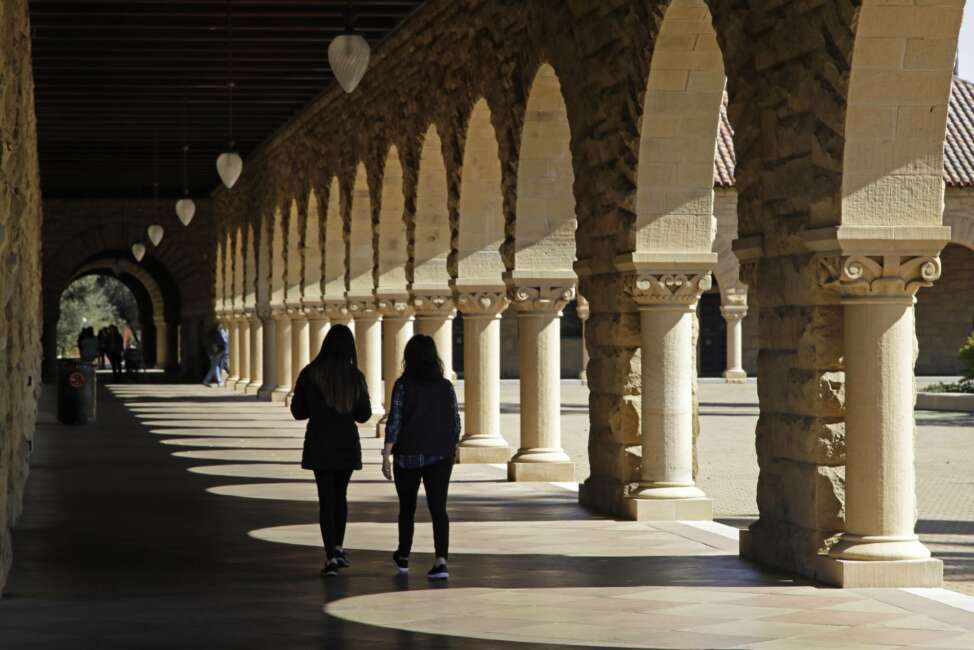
{"x": 958, "y": 146}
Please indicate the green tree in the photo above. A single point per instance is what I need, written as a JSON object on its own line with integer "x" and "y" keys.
{"x": 83, "y": 304}
{"x": 967, "y": 357}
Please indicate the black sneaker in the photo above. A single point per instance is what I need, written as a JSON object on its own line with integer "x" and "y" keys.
{"x": 438, "y": 572}
{"x": 402, "y": 563}
{"x": 330, "y": 569}
{"x": 342, "y": 559}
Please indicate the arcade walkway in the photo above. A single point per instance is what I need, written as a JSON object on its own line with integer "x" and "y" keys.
{"x": 182, "y": 521}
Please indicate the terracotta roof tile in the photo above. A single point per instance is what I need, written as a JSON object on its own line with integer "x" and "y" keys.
{"x": 958, "y": 146}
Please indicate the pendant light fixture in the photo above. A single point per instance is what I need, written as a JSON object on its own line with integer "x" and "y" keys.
{"x": 138, "y": 251}
{"x": 185, "y": 207}
{"x": 229, "y": 165}
{"x": 155, "y": 231}
{"x": 348, "y": 55}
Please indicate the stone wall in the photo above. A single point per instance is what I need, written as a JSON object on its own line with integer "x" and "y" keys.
{"x": 20, "y": 267}
{"x": 81, "y": 232}
{"x": 945, "y": 314}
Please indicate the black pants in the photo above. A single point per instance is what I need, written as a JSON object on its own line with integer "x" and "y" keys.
{"x": 332, "y": 508}
{"x": 436, "y": 482}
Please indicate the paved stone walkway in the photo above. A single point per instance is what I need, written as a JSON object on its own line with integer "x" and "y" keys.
{"x": 181, "y": 520}
{"x": 729, "y": 467}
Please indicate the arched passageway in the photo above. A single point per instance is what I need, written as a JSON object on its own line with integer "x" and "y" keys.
{"x": 521, "y": 162}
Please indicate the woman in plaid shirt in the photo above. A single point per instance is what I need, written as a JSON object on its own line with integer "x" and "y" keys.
{"x": 422, "y": 432}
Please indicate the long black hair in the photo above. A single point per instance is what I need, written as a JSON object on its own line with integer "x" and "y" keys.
{"x": 335, "y": 370}
{"x": 420, "y": 362}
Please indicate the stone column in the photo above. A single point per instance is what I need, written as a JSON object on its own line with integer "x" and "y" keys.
{"x": 541, "y": 457}
{"x": 482, "y": 441}
{"x": 318, "y": 327}
{"x": 162, "y": 342}
{"x": 233, "y": 326}
{"x": 300, "y": 346}
{"x": 397, "y": 329}
{"x": 733, "y": 315}
{"x": 582, "y": 309}
{"x": 368, "y": 346}
{"x": 667, "y": 304}
{"x": 269, "y": 364}
{"x": 434, "y": 318}
{"x": 338, "y": 314}
{"x": 879, "y": 547}
{"x": 256, "y": 356}
{"x": 243, "y": 353}
{"x": 282, "y": 355}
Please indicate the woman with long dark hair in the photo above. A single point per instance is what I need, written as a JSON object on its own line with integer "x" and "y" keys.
{"x": 331, "y": 393}
{"x": 422, "y": 432}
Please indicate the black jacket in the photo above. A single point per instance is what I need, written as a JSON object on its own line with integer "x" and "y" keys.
{"x": 331, "y": 441}
{"x": 429, "y": 422}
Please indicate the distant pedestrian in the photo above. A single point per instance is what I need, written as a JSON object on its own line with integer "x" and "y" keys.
{"x": 332, "y": 395}
{"x": 88, "y": 345}
{"x": 422, "y": 432}
{"x": 113, "y": 345}
{"x": 216, "y": 349}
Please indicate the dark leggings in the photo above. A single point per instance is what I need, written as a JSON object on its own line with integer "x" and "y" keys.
{"x": 332, "y": 508}
{"x": 436, "y": 482}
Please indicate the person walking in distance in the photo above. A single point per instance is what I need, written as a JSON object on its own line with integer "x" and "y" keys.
{"x": 216, "y": 350}
{"x": 422, "y": 432}
{"x": 332, "y": 395}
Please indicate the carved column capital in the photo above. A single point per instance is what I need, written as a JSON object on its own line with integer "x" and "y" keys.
{"x": 653, "y": 288}
{"x": 337, "y": 310}
{"x": 296, "y": 311}
{"x": 542, "y": 297}
{"x": 482, "y": 302}
{"x": 733, "y": 313}
{"x": 582, "y": 308}
{"x": 434, "y": 304}
{"x": 885, "y": 277}
{"x": 394, "y": 306}
{"x": 362, "y": 308}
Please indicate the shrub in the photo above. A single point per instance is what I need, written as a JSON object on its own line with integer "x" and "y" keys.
{"x": 967, "y": 357}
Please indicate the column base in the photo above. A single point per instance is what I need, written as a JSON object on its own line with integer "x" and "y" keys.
{"x": 380, "y": 426}
{"x": 735, "y": 376}
{"x": 472, "y": 455}
{"x": 252, "y": 389}
{"x": 693, "y": 509}
{"x": 880, "y": 573}
{"x": 557, "y": 472}
{"x": 241, "y": 385}
{"x": 265, "y": 393}
{"x": 280, "y": 394}
{"x": 288, "y": 398}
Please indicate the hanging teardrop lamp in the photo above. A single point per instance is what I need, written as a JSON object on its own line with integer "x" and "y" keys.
{"x": 348, "y": 56}
{"x": 138, "y": 251}
{"x": 185, "y": 207}
{"x": 155, "y": 232}
{"x": 229, "y": 164}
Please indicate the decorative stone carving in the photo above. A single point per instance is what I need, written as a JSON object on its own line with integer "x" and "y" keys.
{"x": 648, "y": 288}
{"x": 892, "y": 276}
{"x": 337, "y": 311}
{"x": 543, "y": 297}
{"x": 582, "y": 308}
{"x": 362, "y": 308}
{"x": 394, "y": 306}
{"x": 435, "y": 304}
{"x": 482, "y": 303}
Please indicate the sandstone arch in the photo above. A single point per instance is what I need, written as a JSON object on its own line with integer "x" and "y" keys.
{"x": 336, "y": 246}
{"x": 432, "y": 230}
{"x": 293, "y": 279}
{"x": 360, "y": 240}
{"x": 480, "y": 224}
{"x": 313, "y": 258}
{"x": 392, "y": 253}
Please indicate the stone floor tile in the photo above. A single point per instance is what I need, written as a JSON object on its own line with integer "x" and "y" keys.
{"x": 685, "y": 595}
{"x": 880, "y": 635}
{"x": 836, "y": 617}
{"x": 961, "y": 642}
{"x": 918, "y": 622}
{"x": 760, "y": 627}
{"x": 731, "y": 610}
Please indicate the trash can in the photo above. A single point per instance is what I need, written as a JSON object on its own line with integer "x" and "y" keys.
{"x": 75, "y": 392}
